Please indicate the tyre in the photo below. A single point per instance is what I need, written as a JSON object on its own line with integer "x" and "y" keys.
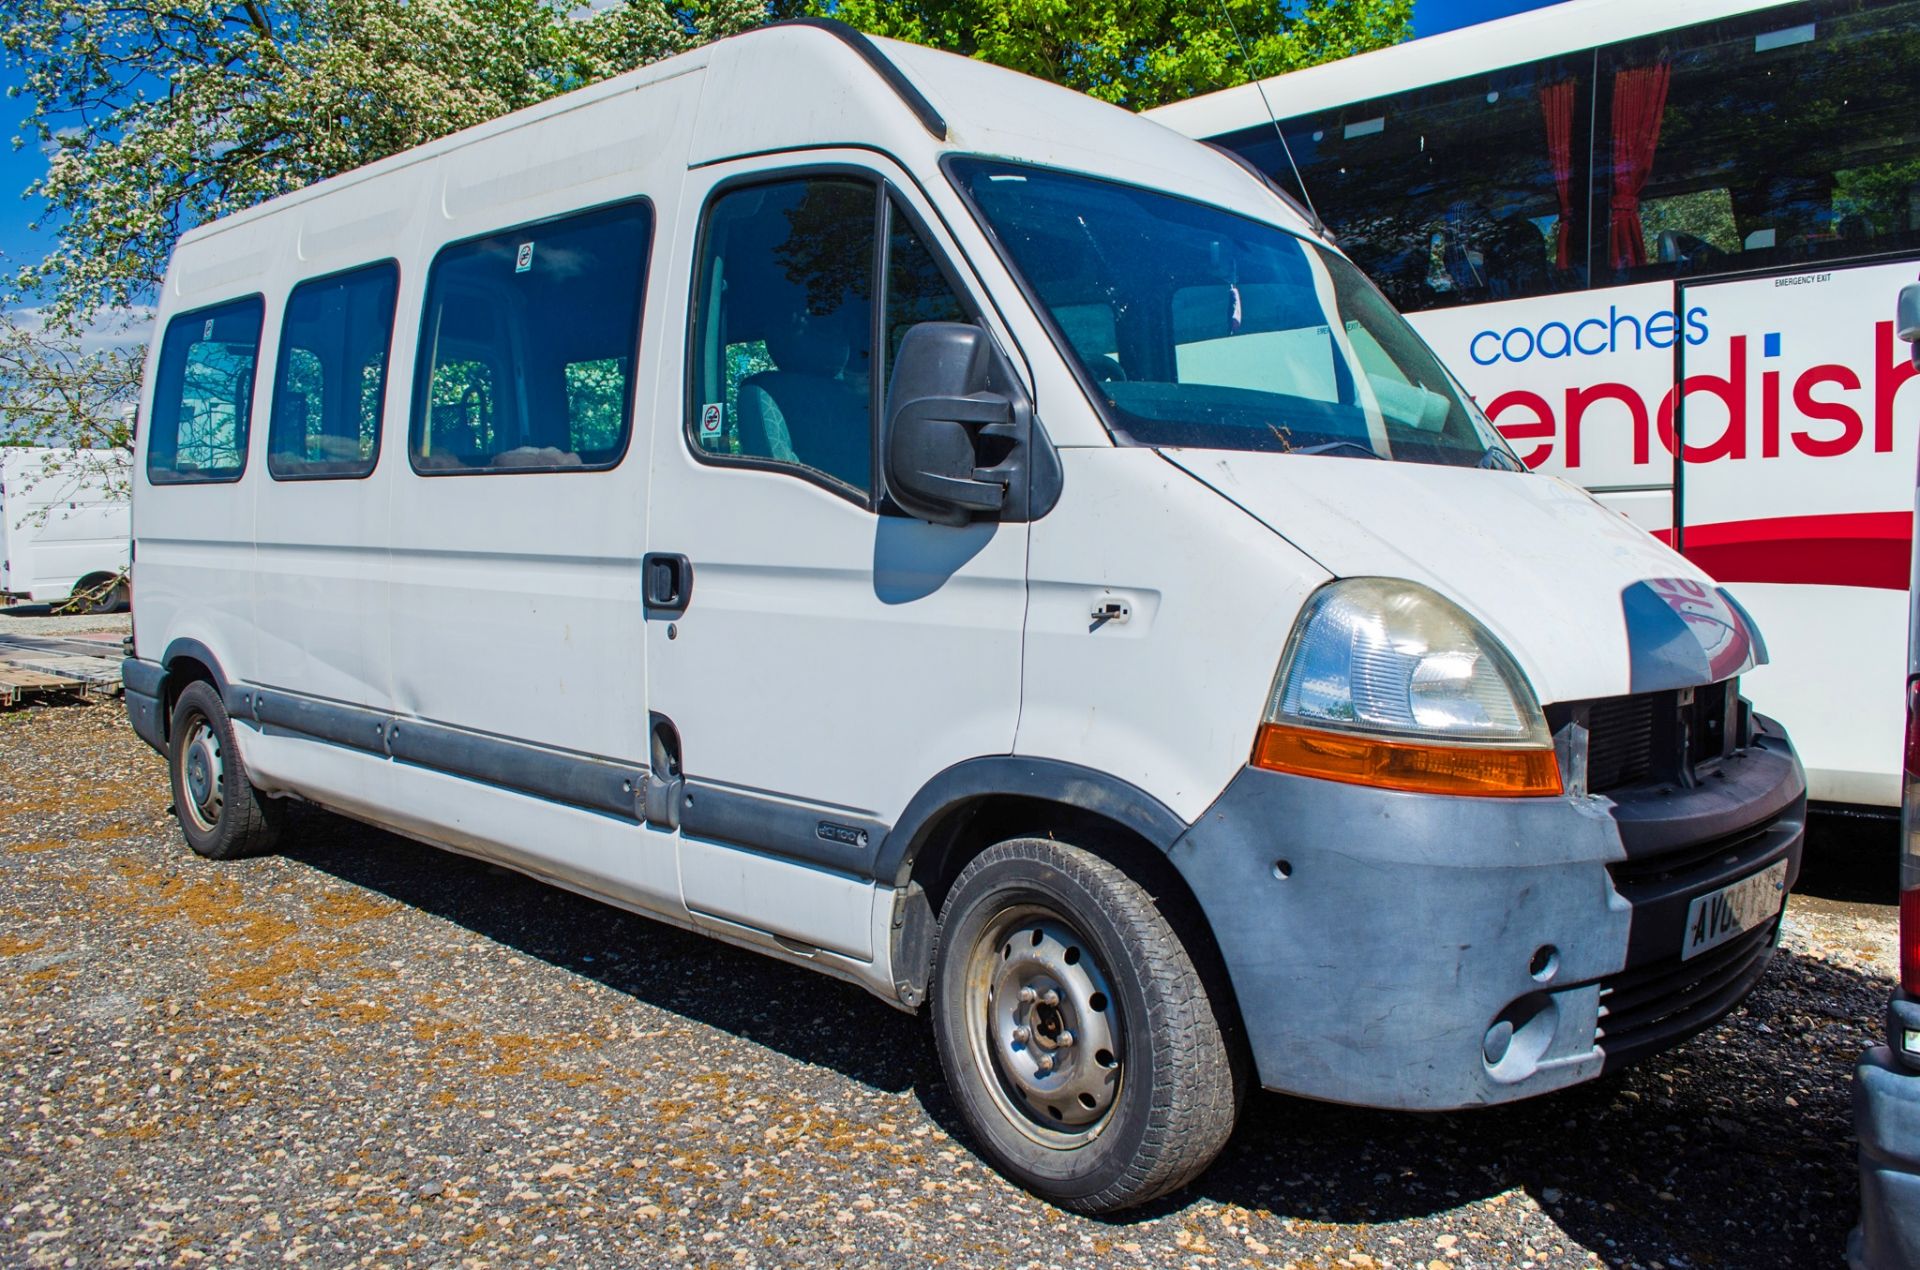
{"x": 222, "y": 815}
{"x": 94, "y": 595}
{"x": 1078, "y": 1038}
{"x": 109, "y": 597}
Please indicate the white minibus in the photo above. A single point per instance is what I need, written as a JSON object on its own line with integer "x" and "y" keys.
{"x": 1636, "y": 228}
{"x": 938, "y": 529}
{"x": 64, "y": 526}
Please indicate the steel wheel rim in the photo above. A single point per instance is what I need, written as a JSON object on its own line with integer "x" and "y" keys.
{"x": 203, "y": 774}
{"x": 1045, "y": 1027}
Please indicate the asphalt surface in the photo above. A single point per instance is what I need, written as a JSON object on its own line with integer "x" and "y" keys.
{"x": 363, "y": 1051}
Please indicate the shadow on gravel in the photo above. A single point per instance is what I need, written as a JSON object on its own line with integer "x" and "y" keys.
{"x": 1696, "y": 1157}
{"x": 795, "y": 1011}
{"x": 1734, "y": 1150}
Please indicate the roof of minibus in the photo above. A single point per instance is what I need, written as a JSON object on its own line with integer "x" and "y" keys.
{"x": 794, "y": 86}
{"x": 1436, "y": 59}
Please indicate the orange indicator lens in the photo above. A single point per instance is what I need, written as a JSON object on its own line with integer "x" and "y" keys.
{"x": 1408, "y": 765}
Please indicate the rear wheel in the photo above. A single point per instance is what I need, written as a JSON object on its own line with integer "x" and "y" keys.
{"x": 95, "y": 594}
{"x": 108, "y": 596}
{"x": 222, "y": 815}
{"x": 1080, "y": 1042}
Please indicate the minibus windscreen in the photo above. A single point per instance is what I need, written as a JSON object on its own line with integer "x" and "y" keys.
{"x": 1201, "y": 328}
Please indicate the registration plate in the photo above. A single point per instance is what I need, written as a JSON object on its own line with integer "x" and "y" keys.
{"x": 1718, "y": 916}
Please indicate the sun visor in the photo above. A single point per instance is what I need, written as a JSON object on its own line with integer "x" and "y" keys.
{"x": 1682, "y": 633}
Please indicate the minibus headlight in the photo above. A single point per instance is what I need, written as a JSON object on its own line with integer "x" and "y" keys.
{"x": 1387, "y": 683}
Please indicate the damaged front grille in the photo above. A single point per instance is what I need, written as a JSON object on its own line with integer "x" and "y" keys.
{"x": 1670, "y": 737}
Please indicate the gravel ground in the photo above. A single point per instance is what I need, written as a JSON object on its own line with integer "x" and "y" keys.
{"x": 38, "y": 619}
{"x": 366, "y": 1052}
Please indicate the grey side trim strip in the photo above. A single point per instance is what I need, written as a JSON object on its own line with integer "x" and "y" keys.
{"x": 596, "y": 784}
{"x": 842, "y": 842}
{"x": 354, "y": 726}
{"x": 839, "y": 841}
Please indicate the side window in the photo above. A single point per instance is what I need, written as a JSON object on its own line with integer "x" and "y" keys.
{"x": 203, "y": 394}
{"x": 917, "y": 290}
{"x": 783, "y": 328}
{"x": 1456, "y": 193}
{"x": 527, "y": 346}
{"x": 1759, "y": 141}
{"x": 330, "y": 383}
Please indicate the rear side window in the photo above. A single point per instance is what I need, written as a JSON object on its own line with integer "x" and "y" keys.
{"x": 527, "y": 346}
{"x": 330, "y": 382}
{"x": 203, "y": 394}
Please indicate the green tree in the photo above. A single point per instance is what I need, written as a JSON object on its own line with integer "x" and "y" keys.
{"x": 56, "y": 391}
{"x": 162, "y": 114}
{"x": 1138, "y": 53}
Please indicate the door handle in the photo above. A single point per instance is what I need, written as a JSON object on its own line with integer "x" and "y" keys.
{"x": 666, "y": 583}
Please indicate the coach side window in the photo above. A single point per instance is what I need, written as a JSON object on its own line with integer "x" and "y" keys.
{"x": 1759, "y": 141}
{"x": 1457, "y": 193}
{"x": 527, "y": 346}
{"x": 330, "y": 382}
{"x": 203, "y": 394}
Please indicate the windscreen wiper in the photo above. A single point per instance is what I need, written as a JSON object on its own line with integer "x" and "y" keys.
{"x": 1330, "y": 447}
{"x": 1499, "y": 459}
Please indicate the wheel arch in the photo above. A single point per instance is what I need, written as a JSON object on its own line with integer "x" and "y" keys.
{"x": 187, "y": 661}
{"x": 959, "y": 794}
{"x": 970, "y": 807}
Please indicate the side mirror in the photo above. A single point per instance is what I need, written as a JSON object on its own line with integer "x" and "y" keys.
{"x": 959, "y": 440}
{"x": 1906, "y": 322}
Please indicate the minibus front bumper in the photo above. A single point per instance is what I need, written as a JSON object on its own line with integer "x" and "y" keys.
{"x": 1886, "y": 1119}
{"x": 1432, "y": 952}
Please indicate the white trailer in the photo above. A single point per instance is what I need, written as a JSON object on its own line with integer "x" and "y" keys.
{"x": 65, "y": 525}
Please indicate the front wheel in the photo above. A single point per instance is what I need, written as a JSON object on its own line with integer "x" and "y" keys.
{"x": 1076, "y": 1033}
{"x": 221, "y": 814}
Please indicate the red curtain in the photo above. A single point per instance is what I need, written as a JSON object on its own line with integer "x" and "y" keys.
{"x": 1639, "y": 100}
{"x": 1556, "y": 103}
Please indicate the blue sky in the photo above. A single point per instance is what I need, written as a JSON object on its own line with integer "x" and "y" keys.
{"x": 19, "y": 168}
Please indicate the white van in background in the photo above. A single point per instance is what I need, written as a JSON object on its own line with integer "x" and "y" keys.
{"x": 65, "y": 525}
{"x": 934, "y": 528}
